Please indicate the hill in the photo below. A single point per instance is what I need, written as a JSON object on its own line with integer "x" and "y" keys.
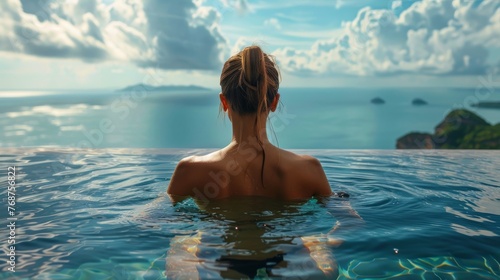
{"x": 460, "y": 129}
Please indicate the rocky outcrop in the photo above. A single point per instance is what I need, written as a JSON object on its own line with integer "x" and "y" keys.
{"x": 418, "y": 102}
{"x": 416, "y": 140}
{"x": 377, "y": 100}
{"x": 460, "y": 129}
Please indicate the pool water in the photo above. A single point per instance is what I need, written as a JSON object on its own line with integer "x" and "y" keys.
{"x": 102, "y": 214}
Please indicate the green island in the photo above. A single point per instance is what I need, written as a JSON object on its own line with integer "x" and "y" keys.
{"x": 460, "y": 129}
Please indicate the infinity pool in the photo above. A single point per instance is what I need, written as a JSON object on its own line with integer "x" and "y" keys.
{"x": 101, "y": 214}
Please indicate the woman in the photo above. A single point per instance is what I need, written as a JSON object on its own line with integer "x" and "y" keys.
{"x": 251, "y": 168}
{"x": 250, "y": 165}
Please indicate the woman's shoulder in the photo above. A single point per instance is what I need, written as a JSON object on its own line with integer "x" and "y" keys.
{"x": 307, "y": 171}
{"x": 201, "y": 159}
{"x": 190, "y": 173}
{"x": 197, "y": 168}
{"x": 298, "y": 160}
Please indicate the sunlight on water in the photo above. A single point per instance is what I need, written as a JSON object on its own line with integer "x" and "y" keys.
{"x": 422, "y": 268}
{"x": 22, "y": 94}
{"x": 53, "y": 111}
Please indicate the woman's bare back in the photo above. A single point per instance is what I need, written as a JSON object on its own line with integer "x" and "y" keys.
{"x": 241, "y": 170}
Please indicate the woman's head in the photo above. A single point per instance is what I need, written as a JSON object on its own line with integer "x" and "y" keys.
{"x": 250, "y": 82}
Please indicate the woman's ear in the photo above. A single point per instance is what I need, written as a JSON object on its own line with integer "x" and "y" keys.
{"x": 274, "y": 105}
{"x": 223, "y": 101}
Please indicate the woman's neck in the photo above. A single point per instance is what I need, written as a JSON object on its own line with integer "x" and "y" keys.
{"x": 244, "y": 130}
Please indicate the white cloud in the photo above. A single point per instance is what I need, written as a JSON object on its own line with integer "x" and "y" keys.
{"x": 241, "y": 6}
{"x": 396, "y": 4}
{"x": 155, "y": 33}
{"x": 273, "y": 22}
{"x": 261, "y": 41}
{"x": 429, "y": 37}
{"x": 339, "y": 3}
{"x": 240, "y": 44}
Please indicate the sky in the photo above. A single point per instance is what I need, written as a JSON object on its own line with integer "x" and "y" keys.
{"x": 104, "y": 44}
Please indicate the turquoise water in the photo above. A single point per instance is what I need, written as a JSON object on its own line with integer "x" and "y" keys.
{"x": 97, "y": 214}
{"x": 308, "y": 119}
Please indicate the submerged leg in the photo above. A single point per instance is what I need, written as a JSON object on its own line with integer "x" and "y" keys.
{"x": 181, "y": 260}
{"x": 319, "y": 250}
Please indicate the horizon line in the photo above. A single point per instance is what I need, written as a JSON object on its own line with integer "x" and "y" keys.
{"x": 218, "y": 89}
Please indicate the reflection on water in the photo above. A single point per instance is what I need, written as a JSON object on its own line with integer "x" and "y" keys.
{"x": 55, "y": 111}
{"x": 471, "y": 232}
{"x": 97, "y": 214}
{"x": 23, "y": 93}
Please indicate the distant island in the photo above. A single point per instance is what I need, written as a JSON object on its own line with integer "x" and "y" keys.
{"x": 460, "y": 129}
{"x": 377, "y": 100}
{"x": 487, "y": 104}
{"x": 163, "y": 88}
{"x": 418, "y": 102}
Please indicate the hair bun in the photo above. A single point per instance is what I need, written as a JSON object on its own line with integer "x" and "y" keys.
{"x": 253, "y": 65}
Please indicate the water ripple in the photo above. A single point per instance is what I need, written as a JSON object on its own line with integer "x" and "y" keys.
{"x": 87, "y": 214}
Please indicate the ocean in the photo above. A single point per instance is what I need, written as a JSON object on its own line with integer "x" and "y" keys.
{"x": 308, "y": 118}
